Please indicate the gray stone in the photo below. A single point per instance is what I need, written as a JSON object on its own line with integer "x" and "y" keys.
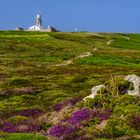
{"x": 94, "y": 91}
{"x": 136, "y": 83}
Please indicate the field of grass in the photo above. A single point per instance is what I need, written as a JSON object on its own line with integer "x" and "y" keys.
{"x": 35, "y": 74}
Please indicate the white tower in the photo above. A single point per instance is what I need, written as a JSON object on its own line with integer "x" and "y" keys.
{"x": 38, "y": 20}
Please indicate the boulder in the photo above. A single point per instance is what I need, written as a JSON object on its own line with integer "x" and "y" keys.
{"x": 94, "y": 91}
{"x": 136, "y": 83}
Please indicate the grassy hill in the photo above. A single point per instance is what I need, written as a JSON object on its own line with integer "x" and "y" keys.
{"x": 42, "y": 74}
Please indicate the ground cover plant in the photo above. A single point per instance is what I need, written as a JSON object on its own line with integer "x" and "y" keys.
{"x": 45, "y": 76}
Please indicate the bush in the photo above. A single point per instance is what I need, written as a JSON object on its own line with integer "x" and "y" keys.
{"x": 18, "y": 82}
{"x": 79, "y": 116}
{"x": 61, "y": 131}
{"x": 21, "y": 136}
{"x": 117, "y": 127}
{"x": 16, "y": 119}
{"x": 34, "y": 112}
{"x": 127, "y": 110}
{"x": 126, "y": 100}
{"x": 118, "y": 86}
{"x": 100, "y": 101}
{"x": 79, "y": 79}
{"x": 135, "y": 122}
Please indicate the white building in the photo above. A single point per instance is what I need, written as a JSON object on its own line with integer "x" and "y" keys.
{"x": 36, "y": 28}
{"x": 38, "y": 24}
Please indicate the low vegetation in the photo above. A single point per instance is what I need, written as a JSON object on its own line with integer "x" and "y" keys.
{"x": 45, "y": 76}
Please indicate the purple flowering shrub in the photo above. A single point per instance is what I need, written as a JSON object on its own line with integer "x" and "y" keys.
{"x": 101, "y": 114}
{"x": 35, "y": 112}
{"x": 8, "y": 127}
{"x": 25, "y": 90}
{"x": 79, "y": 116}
{"x": 61, "y": 131}
{"x": 59, "y": 106}
{"x": 85, "y": 115}
{"x": 28, "y": 127}
{"x": 71, "y": 125}
{"x": 73, "y": 101}
{"x": 135, "y": 122}
{"x": 76, "y": 121}
{"x": 21, "y": 127}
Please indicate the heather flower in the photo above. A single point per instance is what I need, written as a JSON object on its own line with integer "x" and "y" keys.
{"x": 65, "y": 103}
{"x": 135, "y": 122}
{"x": 35, "y": 112}
{"x": 73, "y": 101}
{"x": 24, "y": 90}
{"x": 57, "y": 107}
{"x": 28, "y": 128}
{"x": 79, "y": 116}
{"x": 21, "y": 127}
{"x": 61, "y": 131}
{"x": 16, "y": 91}
{"x": 8, "y": 127}
{"x": 101, "y": 115}
{"x": 6, "y": 92}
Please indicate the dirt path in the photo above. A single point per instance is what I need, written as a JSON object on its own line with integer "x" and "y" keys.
{"x": 68, "y": 62}
{"x": 84, "y": 55}
{"x": 109, "y": 42}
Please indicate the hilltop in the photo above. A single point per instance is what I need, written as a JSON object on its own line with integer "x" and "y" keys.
{"x": 45, "y": 76}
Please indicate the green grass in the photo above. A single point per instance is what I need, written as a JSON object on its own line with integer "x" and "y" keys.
{"x": 29, "y": 59}
{"x": 130, "y": 44}
{"x": 22, "y": 136}
{"x": 110, "y": 61}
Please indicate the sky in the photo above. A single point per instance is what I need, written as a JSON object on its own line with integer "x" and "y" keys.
{"x": 66, "y": 15}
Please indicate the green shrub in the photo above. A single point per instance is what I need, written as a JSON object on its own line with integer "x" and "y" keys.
{"x": 100, "y": 101}
{"x": 20, "y": 136}
{"x": 79, "y": 79}
{"x": 118, "y": 86}
{"x": 16, "y": 119}
{"x": 2, "y": 135}
{"x": 18, "y": 82}
{"x": 126, "y": 100}
{"x": 117, "y": 127}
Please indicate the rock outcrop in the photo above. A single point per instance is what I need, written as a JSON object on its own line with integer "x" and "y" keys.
{"x": 94, "y": 91}
{"x": 131, "y": 78}
{"x": 136, "y": 83}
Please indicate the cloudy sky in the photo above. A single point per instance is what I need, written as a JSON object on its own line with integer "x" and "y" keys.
{"x": 66, "y": 15}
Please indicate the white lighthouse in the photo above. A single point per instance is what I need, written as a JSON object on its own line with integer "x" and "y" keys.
{"x": 38, "y": 24}
{"x": 38, "y": 20}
